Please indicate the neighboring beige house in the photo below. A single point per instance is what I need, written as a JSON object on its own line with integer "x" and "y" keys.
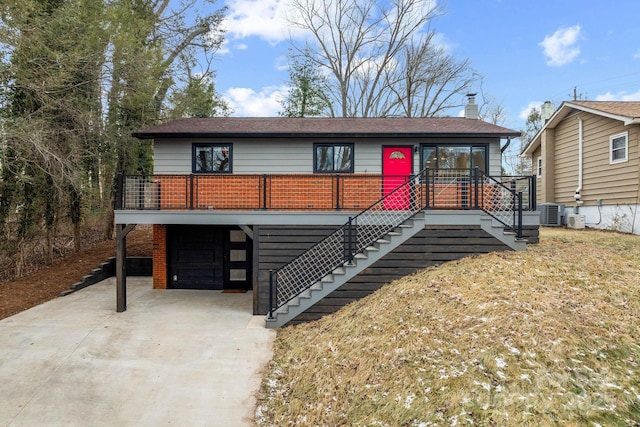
{"x": 586, "y": 159}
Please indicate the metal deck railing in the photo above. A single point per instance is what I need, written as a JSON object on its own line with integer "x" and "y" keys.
{"x": 446, "y": 188}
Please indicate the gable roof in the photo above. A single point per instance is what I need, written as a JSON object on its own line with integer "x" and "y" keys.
{"x": 628, "y": 112}
{"x": 325, "y": 127}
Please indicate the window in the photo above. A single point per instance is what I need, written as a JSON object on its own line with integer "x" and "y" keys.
{"x": 212, "y": 158}
{"x": 454, "y": 157}
{"x": 333, "y": 158}
{"x": 539, "y": 167}
{"x": 618, "y": 147}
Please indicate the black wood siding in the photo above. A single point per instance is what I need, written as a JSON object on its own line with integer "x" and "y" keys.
{"x": 433, "y": 245}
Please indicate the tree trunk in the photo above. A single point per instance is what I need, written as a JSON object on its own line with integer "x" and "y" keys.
{"x": 50, "y": 243}
{"x": 76, "y": 237}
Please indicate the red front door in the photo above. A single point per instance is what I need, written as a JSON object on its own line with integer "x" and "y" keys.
{"x": 397, "y": 166}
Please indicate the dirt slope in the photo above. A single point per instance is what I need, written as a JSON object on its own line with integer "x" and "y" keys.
{"x": 47, "y": 282}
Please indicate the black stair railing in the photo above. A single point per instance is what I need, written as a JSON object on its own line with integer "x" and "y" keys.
{"x": 502, "y": 202}
{"x": 340, "y": 247}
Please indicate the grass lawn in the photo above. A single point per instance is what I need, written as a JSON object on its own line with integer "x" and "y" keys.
{"x": 549, "y": 336}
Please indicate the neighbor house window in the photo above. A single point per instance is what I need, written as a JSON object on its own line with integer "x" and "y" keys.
{"x": 539, "y": 167}
{"x": 455, "y": 157}
{"x": 212, "y": 158}
{"x": 333, "y": 158}
{"x": 619, "y": 147}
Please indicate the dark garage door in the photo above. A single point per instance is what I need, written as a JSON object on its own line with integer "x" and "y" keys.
{"x": 209, "y": 257}
{"x": 196, "y": 257}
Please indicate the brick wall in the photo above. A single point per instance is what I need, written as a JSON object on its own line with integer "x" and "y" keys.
{"x": 303, "y": 192}
{"x": 159, "y": 256}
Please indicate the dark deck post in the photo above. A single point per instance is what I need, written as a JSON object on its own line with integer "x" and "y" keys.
{"x": 519, "y": 233}
{"x": 191, "y": 192}
{"x": 476, "y": 183}
{"x": 338, "y": 192}
{"x": 119, "y": 191}
{"x": 271, "y": 294}
{"x": 426, "y": 185}
{"x": 121, "y": 265}
{"x": 264, "y": 191}
{"x": 532, "y": 193}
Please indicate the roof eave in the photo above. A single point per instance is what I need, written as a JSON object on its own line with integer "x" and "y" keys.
{"x": 157, "y": 135}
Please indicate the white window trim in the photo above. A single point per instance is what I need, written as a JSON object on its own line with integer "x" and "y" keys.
{"x": 539, "y": 167}
{"x": 626, "y": 148}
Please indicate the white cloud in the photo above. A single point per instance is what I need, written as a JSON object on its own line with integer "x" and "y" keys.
{"x": 246, "y": 102}
{"x": 261, "y": 18}
{"x": 637, "y": 54}
{"x": 620, "y": 96}
{"x": 561, "y": 47}
{"x": 524, "y": 113}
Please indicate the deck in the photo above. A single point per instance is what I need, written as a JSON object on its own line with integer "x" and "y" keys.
{"x": 438, "y": 189}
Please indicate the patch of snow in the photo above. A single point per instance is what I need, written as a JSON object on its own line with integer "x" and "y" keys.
{"x": 513, "y": 350}
{"x": 409, "y": 400}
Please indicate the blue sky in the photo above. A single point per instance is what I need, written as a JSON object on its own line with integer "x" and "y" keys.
{"x": 528, "y": 51}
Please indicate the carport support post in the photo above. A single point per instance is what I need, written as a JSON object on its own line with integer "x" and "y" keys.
{"x": 121, "y": 265}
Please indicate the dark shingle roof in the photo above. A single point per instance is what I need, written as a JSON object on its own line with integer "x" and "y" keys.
{"x": 282, "y": 126}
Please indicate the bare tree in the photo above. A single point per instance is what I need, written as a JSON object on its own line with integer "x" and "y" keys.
{"x": 381, "y": 58}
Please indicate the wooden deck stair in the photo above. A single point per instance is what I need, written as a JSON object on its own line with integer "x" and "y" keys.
{"x": 367, "y": 258}
{"x": 348, "y": 271}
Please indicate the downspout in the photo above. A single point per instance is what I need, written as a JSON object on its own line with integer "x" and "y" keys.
{"x": 506, "y": 145}
{"x": 578, "y": 196}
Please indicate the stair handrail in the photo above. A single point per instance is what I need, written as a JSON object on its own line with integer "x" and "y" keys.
{"x": 339, "y": 248}
{"x": 505, "y": 206}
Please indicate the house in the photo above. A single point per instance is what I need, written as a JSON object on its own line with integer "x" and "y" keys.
{"x": 587, "y": 165}
{"x": 312, "y": 213}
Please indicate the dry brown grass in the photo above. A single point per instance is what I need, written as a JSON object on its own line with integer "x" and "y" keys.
{"x": 550, "y": 336}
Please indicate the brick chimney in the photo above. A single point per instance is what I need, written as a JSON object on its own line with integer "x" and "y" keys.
{"x": 471, "y": 109}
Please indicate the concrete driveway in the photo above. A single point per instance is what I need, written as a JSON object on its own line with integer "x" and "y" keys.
{"x": 175, "y": 357}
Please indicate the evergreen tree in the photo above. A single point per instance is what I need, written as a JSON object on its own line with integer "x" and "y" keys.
{"x": 306, "y": 96}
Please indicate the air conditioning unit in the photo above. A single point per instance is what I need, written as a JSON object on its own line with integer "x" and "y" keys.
{"x": 575, "y": 221}
{"x": 551, "y": 214}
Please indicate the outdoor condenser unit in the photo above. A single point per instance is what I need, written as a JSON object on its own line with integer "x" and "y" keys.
{"x": 551, "y": 214}
{"x": 575, "y": 221}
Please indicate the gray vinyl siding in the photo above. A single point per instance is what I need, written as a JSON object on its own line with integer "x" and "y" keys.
{"x": 495, "y": 160}
{"x": 171, "y": 157}
{"x": 266, "y": 157}
{"x": 288, "y": 156}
